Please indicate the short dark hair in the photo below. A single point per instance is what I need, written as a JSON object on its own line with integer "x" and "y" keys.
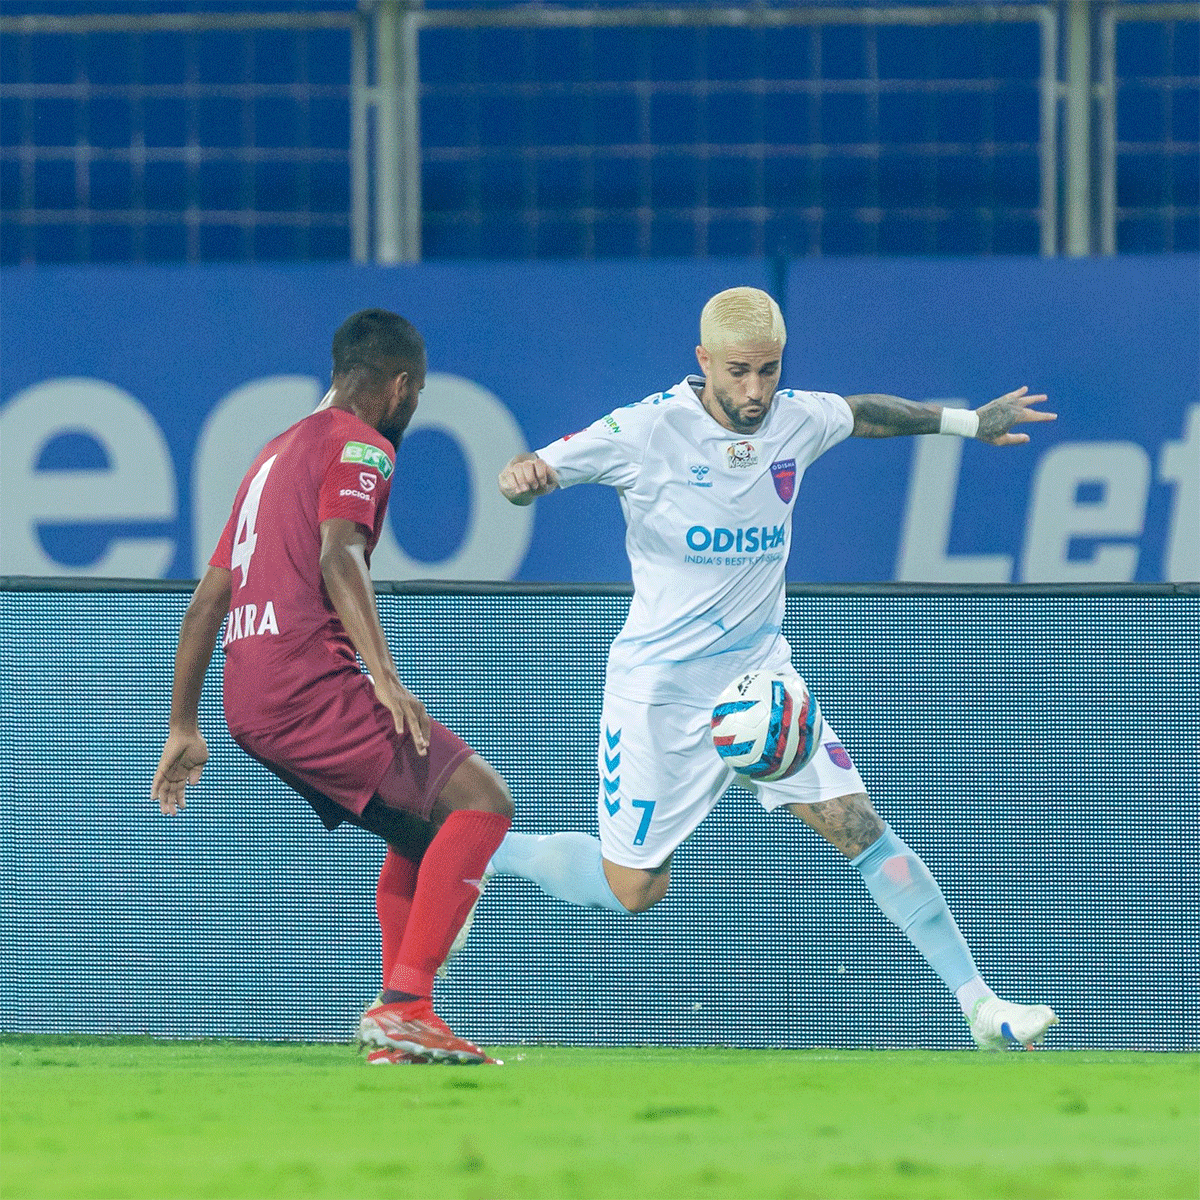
{"x": 376, "y": 340}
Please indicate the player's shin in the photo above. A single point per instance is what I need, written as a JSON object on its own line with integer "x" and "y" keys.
{"x": 448, "y": 884}
{"x": 910, "y": 898}
{"x": 393, "y": 903}
{"x": 569, "y": 866}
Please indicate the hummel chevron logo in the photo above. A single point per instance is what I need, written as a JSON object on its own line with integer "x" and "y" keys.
{"x": 611, "y": 788}
{"x": 612, "y": 760}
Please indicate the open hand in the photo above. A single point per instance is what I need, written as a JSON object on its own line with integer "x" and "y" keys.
{"x": 998, "y": 416}
{"x": 182, "y": 761}
{"x": 407, "y": 711}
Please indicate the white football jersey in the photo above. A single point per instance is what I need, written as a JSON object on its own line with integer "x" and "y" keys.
{"x": 708, "y": 517}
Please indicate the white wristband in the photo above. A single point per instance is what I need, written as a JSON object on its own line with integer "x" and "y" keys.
{"x": 961, "y": 422}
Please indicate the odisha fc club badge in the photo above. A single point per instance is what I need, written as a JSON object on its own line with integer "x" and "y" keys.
{"x": 784, "y": 474}
{"x": 840, "y": 758}
{"x": 741, "y": 455}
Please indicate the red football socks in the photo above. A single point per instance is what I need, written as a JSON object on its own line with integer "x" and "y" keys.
{"x": 448, "y": 884}
{"x": 393, "y": 901}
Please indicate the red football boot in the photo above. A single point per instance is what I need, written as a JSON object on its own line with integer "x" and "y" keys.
{"x": 383, "y": 1058}
{"x": 414, "y": 1029}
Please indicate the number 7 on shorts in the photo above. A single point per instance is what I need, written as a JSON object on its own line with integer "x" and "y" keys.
{"x": 647, "y": 807}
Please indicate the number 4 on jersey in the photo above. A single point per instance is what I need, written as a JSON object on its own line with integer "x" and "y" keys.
{"x": 244, "y": 538}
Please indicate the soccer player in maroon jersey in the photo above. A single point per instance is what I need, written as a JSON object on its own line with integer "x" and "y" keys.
{"x": 290, "y": 578}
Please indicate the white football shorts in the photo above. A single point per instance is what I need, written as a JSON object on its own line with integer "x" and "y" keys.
{"x": 660, "y": 776}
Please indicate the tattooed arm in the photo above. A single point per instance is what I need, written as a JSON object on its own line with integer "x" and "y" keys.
{"x": 890, "y": 416}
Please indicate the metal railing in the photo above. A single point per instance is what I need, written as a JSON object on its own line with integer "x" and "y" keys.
{"x": 1106, "y": 95}
{"x": 1076, "y": 204}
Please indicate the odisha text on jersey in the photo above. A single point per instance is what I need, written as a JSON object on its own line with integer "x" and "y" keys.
{"x": 740, "y": 541}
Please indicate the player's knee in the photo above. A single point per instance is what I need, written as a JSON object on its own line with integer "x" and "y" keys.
{"x": 476, "y": 785}
{"x": 848, "y": 822}
{"x": 494, "y": 796}
{"x": 636, "y": 890}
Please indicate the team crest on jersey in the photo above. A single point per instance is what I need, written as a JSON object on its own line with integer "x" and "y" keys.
{"x": 838, "y": 754}
{"x": 739, "y": 456}
{"x": 369, "y": 456}
{"x": 783, "y": 472}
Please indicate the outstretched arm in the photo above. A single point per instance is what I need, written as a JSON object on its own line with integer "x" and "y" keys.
{"x": 525, "y": 478}
{"x": 890, "y": 416}
{"x": 186, "y": 752}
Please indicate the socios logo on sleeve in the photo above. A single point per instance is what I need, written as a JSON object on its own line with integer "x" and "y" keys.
{"x": 369, "y": 456}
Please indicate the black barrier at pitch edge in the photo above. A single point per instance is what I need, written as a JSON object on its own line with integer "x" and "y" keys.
{"x": 474, "y": 587}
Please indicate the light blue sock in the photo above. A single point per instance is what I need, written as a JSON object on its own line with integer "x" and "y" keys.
{"x": 567, "y": 865}
{"x": 911, "y": 899}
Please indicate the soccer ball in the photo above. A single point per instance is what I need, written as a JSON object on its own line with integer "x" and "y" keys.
{"x": 766, "y": 726}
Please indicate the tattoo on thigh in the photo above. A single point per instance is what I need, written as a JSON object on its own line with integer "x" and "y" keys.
{"x": 849, "y": 822}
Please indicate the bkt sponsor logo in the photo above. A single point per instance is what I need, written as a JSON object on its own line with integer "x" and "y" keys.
{"x": 740, "y": 541}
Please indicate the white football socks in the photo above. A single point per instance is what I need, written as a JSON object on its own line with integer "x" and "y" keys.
{"x": 570, "y": 867}
{"x": 911, "y": 899}
{"x": 566, "y": 865}
{"x": 971, "y": 993}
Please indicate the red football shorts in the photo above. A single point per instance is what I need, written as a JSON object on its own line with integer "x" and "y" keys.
{"x": 342, "y": 754}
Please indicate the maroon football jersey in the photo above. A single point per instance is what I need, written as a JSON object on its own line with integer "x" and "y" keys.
{"x": 283, "y": 635}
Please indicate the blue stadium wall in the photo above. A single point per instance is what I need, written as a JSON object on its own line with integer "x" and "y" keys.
{"x": 1038, "y": 746}
{"x": 134, "y": 398}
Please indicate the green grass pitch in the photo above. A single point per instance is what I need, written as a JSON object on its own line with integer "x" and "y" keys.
{"x": 126, "y": 1117}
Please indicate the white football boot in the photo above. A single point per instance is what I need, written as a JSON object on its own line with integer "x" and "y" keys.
{"x": 363, "y": 1038}
{"x": 998, "y": 1024}
{"x": 460, "y": 938}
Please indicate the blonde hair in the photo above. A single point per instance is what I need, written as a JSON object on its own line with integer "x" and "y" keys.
{"x": 741, "y": 314}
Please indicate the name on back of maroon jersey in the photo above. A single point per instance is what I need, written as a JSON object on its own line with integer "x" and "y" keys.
{"x": 246, "y": 621}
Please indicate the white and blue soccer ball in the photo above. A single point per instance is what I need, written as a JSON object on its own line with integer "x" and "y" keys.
{"x": 766, "y": 726}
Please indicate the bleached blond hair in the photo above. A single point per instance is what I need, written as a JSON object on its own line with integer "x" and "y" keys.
{"x": 741, "y": 314}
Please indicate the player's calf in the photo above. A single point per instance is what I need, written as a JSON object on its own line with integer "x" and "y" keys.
{"x": 569, "y": 866}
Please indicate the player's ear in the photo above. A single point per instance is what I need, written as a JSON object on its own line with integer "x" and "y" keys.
{"x": 703, "y": 358}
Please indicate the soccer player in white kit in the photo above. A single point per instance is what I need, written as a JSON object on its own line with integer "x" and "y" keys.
{"x": 707, "y": 474}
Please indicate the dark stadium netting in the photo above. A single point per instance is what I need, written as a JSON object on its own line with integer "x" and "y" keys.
{"x": 1038, "y": 747}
